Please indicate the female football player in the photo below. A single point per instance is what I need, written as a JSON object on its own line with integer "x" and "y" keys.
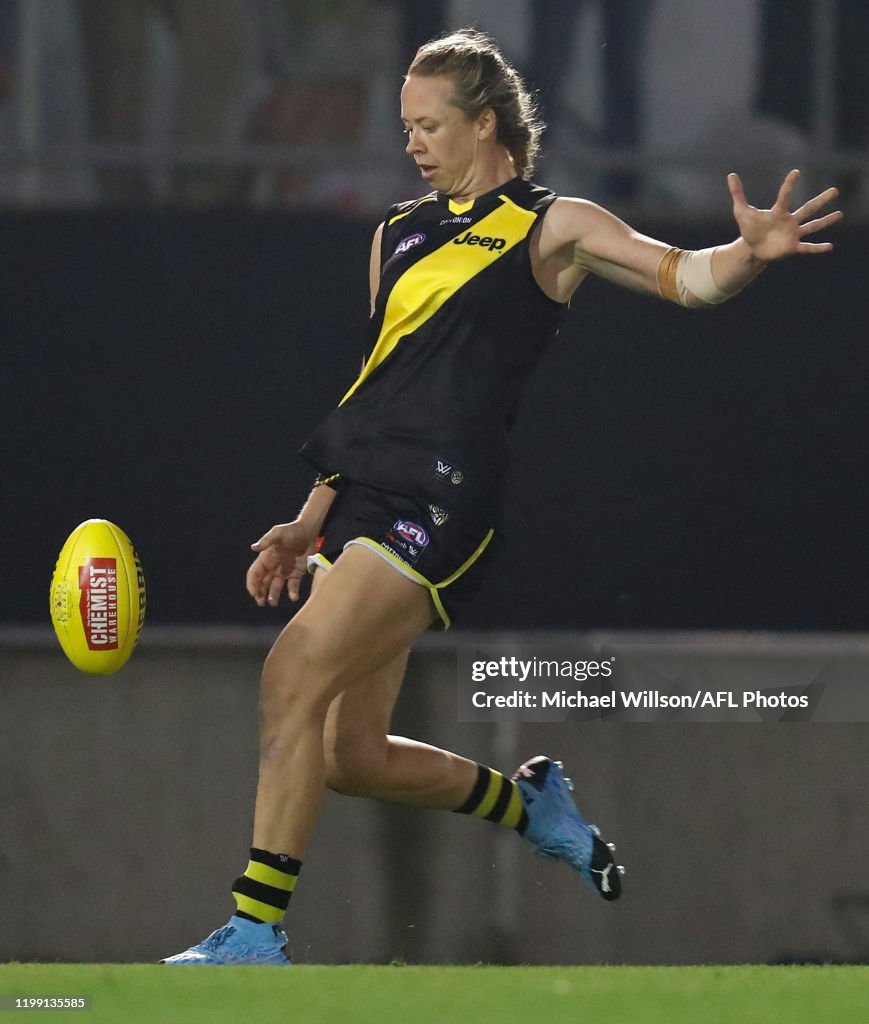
{"x": 468, "y": 286}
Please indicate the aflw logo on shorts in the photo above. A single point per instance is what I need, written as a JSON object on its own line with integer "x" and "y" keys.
{"x": 98, "y": 580}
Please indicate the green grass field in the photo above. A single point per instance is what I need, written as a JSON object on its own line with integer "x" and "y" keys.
{"x": 124, "y": 994}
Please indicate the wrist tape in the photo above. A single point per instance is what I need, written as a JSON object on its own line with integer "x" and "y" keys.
{"x": 686, "y": 272}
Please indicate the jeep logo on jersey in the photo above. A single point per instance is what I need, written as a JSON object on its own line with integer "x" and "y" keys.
{"x": 412, "y": 532}
{"x": 487, "y": 242}
{"x": 408, "y": 243}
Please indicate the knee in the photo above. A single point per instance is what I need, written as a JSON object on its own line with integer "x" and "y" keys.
{"x": 353, "y": 761}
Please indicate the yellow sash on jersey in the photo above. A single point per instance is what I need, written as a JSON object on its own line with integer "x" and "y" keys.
{"x": 421, "y": 291}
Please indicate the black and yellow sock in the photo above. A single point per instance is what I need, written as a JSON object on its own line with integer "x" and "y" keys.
{"x": 496, "y": 798}
{"x": 263, "y": 892}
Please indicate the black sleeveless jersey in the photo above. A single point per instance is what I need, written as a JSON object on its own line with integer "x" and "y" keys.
{"x": 458, "y": 325}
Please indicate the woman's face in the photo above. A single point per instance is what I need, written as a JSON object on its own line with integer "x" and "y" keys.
{"x": 443, "y": 142}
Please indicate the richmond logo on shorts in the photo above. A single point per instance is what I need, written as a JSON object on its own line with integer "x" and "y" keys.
{"x": 438, "y": 515}
{"x": 407, "y": 540}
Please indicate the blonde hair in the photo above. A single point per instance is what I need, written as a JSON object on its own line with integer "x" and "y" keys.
{"x": 483, "y": 78}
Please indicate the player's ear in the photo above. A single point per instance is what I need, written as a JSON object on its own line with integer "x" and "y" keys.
{"x": 487, "y": 124}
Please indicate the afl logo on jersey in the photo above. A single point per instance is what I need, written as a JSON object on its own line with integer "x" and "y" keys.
{"x": 408, "y": 243}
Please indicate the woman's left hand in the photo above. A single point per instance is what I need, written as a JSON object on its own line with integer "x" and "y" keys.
{"x": 775, "y": 233}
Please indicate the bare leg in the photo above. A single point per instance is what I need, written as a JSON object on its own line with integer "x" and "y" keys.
{"x": 361, "y": 616}
{"x": 362, "y": 760}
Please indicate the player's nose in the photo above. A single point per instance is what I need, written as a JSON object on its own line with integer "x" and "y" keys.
{"x": 414, "y": 144}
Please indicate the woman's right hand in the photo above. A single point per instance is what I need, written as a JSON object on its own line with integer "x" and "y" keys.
{"x": 282, "y": 561}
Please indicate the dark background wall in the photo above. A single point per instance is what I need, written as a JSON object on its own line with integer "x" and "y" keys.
{"x": 670, "y": 469}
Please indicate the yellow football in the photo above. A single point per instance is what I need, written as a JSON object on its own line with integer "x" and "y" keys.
{"x": 97, "y": 597}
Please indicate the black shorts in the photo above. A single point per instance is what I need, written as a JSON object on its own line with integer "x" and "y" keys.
{"x": 424, "y": 542}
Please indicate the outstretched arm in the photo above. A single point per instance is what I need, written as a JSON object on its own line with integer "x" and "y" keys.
{"x": 579, "y": 237}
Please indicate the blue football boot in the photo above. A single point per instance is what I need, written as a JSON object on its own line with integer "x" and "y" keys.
{"x": 558, "y": 831}
{"x": 238, "y": 942}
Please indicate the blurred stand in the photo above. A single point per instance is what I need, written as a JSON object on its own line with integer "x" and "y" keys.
{"x": 283, "y": 102}
{"x": 7, "y": 47}
{"x": 8, "y": 40}
{"x": 333, "y": 92}
{"x": 813, "y": 77}
{"x": 212, "y": 38}
{"x": 43, "y": 104}
{"x": 421, "y": 20}
{"x": 552, "y": 54}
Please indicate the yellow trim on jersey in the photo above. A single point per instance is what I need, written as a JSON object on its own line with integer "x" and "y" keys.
{"x": 416, "y": 206}
{"x": 270, "y": 876}
{"x": 509, "y": 201}
{"x": 424, "y": 287}
{"x": 513, "y": 814}
{"x": 461, "y": 207}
